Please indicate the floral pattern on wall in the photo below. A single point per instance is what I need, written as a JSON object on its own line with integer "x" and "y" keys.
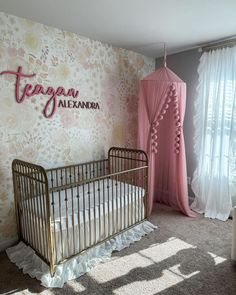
{"x": 102, "y": 73}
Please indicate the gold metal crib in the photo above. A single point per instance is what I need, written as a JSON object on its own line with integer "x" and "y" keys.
{"x": 62, "y": 212}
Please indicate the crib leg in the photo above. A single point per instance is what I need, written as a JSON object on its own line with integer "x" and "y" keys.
{"x": 52, "y": 270}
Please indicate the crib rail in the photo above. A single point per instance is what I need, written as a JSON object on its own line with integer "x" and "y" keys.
{"x": 67, "y": 210}
{"x": 121, "y": 159}
{"x": 76, "y": 173}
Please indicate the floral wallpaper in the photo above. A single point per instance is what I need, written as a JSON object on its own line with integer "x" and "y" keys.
{"x": 102, "y": 73}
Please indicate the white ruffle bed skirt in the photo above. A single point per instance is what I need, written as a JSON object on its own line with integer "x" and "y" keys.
{"x": 24, "y": 257}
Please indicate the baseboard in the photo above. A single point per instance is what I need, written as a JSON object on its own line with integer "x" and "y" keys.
{"x": 231, "y": 213}
{"x": 7, "y": 243}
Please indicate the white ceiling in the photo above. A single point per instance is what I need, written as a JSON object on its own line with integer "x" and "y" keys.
{"x": 138, "y": 25}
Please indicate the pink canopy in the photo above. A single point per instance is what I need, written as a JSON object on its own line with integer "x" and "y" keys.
{"x": 162, "y": 99}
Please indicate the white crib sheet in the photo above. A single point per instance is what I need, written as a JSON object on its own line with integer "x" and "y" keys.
{"x": 112, "y": 195}
{"x": 117, "y": 205}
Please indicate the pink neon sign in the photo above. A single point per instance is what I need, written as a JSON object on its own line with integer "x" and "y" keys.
{"x": 52, "y": 103}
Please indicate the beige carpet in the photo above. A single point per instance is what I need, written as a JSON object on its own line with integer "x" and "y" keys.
{"x": 184, "y": 256}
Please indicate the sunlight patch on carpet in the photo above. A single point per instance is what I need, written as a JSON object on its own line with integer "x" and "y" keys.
{"x": 216, "y": 258}
{"x": 154, "y": 269}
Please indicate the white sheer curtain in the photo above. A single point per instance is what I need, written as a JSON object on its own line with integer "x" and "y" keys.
{"x": 214, "y": 180}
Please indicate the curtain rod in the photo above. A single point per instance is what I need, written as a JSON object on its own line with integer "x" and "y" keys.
{"x": 219, "y": 44}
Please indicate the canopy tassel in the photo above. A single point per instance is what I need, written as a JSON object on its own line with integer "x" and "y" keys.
{"x": 164, "y": 61}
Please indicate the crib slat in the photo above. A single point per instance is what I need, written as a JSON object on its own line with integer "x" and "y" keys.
{"x": 78, "y": 216}
{"x": 67, "y": 225}
{"x": 113, "y": 209}
{"x": 104, "y": 208}
{"x": 72, "y": 213}
{"x": 53, "y": 218}
{"x": 99, "y": 201}
{"x": 84, "y": 216}
{"x": 128, "y": 197}
{"x": 108, "y": 205}
{"x": 36, "y": 200}
{"x": 89, "y": 215}
{"x": 43, "y": 217}
{"x": 60, "y": 209}
{"x": 94, "y": 212}
{"x": 121, "y": 213}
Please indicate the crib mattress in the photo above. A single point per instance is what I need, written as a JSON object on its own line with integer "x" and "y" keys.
{"x": 84, "y": 215}
{"x": 89, "y": 201}
{"x": 83, "y": 203}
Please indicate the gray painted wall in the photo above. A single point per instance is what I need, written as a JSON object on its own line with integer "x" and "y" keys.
{"x": 185, "y": 65}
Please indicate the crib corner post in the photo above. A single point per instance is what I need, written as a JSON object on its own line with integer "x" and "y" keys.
{"x": 50, "y": 240}
{"x": 16, "y": 201}
{"x": 52, "y": 269}
{"x": 146, "y": 188}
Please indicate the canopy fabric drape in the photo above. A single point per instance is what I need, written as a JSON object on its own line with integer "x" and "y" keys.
{"x": 162, "y": 98}
{"x": 214, "y": 180}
